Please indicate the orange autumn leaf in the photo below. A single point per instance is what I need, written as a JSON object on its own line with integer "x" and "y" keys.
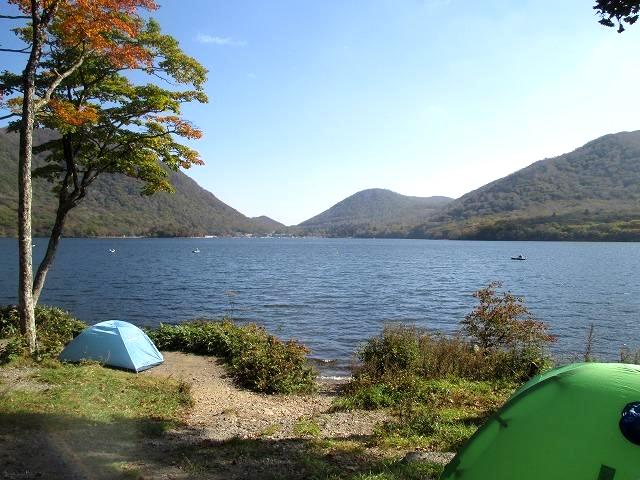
{"x": 179, "y": 126}
{"x": 68, "y": 113}
{"x": 93, "y": 23}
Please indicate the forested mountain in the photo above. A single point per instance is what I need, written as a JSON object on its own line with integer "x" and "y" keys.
{"x": 592, "y": 193}
{"x": 114, "y": 205}
{"x": 374, "y": 212}
{"x": 269, "y": 223}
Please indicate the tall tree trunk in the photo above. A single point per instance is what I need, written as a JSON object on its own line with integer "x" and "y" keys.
{"x": 25, "y": 245}
{"x": 54, "y": 239}
{"x": 25, "y": 299}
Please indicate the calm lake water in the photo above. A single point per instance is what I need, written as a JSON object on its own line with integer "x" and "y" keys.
{"x": 334, "y": 293}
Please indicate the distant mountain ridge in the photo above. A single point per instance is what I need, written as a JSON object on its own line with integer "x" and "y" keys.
{"x": 268, "y": 223}
{"x": 374, "y": 212}
{"x": 114, "y": 207}
{"x": 591, "y": 193}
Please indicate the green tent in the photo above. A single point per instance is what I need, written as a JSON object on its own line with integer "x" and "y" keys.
{"x": 581, "y": 422}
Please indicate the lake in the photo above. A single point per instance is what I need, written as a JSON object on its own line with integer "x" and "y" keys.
{"x": 332, "y": 294}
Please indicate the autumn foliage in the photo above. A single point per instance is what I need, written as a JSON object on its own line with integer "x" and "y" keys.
{"x": 68, "y": 113}
{"x": 502, "y": 321}
{"x": 95, "y": 24}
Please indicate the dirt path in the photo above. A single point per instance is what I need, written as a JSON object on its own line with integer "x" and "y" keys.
{"x": 223, "y": 411}
{"x": 229, "y": 434}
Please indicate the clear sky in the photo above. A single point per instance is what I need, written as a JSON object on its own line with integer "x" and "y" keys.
{"x": 314, "y": 100}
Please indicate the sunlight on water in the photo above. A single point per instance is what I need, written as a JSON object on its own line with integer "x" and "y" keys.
{"x": 333, "y": 294}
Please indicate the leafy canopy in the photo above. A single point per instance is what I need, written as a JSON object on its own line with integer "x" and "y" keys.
{"x": 618, "y": 12}
{"x": 110, "y": 121}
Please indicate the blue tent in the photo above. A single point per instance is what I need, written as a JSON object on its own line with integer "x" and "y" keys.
{"x": 114, "y": 343}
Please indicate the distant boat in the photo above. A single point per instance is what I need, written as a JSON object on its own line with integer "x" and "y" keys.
{"x": 112, "y": 250}
{"x": 519, "y": 257}
{"x": 197, "y": 250}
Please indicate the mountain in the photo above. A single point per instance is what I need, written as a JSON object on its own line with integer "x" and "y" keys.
{"x": 269, "y": 223}
{"x": 592, "y": 193}
{"x": 115, "y": 207}
{"x": 374, "y": 212}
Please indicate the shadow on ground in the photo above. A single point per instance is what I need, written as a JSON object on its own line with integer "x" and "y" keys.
{"x": 34, "y": 446}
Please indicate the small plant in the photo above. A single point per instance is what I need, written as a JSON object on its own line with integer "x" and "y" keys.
{"x": 54, "y": 329}
{"x": 231, "y": 295}
{"x": 588, "y": 349}
{"x": 271, "y": 430}
{"x": 306, "y": 428}
{"x": 257, "y": 360}
{"x": 628, "y": 355}
{"x": 397, "y": 348}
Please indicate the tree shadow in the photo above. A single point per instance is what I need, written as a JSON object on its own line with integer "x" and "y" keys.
{"x": 44, "y": 446}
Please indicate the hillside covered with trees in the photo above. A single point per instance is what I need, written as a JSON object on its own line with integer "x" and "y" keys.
{"x": 374, "y": 212}
{"x": 592, "y": 193}
{"x": 115, "y": 207}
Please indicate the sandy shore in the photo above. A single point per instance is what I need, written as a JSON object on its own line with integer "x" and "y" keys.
{"x": 223, "y": 411}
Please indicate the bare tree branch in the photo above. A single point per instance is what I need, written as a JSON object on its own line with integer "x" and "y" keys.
{"x": 26, "y": 50}
{"x": 61, "y": 76}
{"x": 16, "y": 17}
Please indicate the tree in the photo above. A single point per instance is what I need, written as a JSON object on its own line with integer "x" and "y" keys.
{"x": 40, "y": 14}
{"x": 503, "y": 322}
{"x": 612, "y": 12}
{"x": 107, "y": 124}
{"x": 111, "y": 125}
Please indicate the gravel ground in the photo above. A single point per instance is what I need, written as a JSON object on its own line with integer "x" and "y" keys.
{"x": 223, "y": 411}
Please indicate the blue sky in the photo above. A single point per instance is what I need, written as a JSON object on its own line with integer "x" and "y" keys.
{"x": 311, "y": 101}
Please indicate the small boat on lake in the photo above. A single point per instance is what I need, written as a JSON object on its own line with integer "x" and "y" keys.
{"x": 519, "y": 257}
{"x": 112, "y": 250}
{"x": 197, "y": 250}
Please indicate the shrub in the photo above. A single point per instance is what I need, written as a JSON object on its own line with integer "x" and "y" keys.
{"x": 503, "y": 322}
{"x": 505, "y": 332}
{"x": 396, "y": 349}
{"x": 401, "y": 351}
{"x": 499, "y": 342}
{"x": 54, "y": 329}
{"x": 257, "y": 360}
{"x": 628, "y": 355}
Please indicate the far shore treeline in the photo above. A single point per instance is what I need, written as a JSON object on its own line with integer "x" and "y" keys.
{"x": 590, "y": 194}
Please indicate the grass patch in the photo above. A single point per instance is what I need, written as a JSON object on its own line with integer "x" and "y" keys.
{"x": 257, "y": 360}
{"x": 437, "y": 414}
{"x": 54, "y": 329}
{"x": 440, "y": 388}
{"x": 306, "y": 428}
{"x": 94, "y": 393}
{"x": 271, "y": 430}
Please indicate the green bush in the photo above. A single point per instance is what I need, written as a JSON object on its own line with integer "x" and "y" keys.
{"x": 257, "y": 360}
{"x": 502, "y": 321}
{"x": 54, "y": 329}
{"x": 396, "y": 349}
{"x": 499, "y": 340}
